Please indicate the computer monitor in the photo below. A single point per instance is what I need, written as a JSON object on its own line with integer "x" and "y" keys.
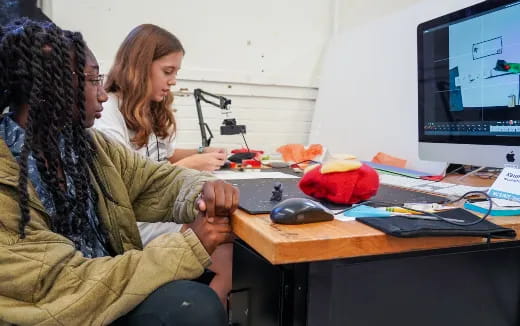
{"x": 469, "y": 85}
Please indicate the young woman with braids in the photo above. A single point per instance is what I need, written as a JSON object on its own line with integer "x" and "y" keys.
{"x": 70, "y": 250}
{"x": 138, "y": 113}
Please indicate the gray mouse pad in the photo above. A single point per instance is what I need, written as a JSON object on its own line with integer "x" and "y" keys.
{"x": 255, "y": 195}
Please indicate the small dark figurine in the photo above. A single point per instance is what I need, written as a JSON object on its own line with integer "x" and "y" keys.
{"x": 277, "y": 192}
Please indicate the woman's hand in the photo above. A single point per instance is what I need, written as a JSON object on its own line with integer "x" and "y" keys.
{"x": 217, "y": 202}
{"x": 214, "y": 150}
{"x": 212, "y": 231}
{"x": 218, "y": 199}
{"x": 210, "y": 161}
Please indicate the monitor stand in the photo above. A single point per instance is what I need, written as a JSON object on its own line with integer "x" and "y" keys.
{"x": 471, "y": 173}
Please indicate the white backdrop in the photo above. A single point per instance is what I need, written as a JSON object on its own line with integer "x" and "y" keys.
{"x": 262, "y": 42}
{"x": 367, "y": 99}
{"x": 264, "y": 55}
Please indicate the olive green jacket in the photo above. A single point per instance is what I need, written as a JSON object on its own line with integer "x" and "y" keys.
{"x": 45, "y": 281}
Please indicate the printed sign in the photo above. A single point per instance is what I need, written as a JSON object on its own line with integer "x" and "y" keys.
{"x": 507, "y": 185}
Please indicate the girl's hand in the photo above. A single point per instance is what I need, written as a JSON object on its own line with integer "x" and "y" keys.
{"x": 210, "y": 161}
{"x": 214, "y": 150}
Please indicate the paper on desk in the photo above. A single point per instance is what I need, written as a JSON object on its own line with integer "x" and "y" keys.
{"x": 396, "y": 170}
{"x": 242, "y": 175}
{"x": 506, "y": 185}
{"x": 505, "y": 202}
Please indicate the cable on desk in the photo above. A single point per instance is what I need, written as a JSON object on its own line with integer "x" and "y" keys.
{"x": 469, "y": 193}
{"x": 441, "y": 218}
{"x": 353, "y": 206}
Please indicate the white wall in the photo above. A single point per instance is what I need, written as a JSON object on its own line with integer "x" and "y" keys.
{"x": 273, "y": 115}
{"x": 352, "y": 13}
{"x": 264, "y": 55}
{"x": 367, "y": 100}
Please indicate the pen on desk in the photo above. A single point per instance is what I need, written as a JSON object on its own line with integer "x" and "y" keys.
{"x": 431, "y": 218}
{"x": 401, "y": 210}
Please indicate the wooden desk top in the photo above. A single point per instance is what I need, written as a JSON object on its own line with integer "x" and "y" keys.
{"x": 282, "y": 244}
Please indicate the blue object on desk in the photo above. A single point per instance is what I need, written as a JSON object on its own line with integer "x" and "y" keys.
{"x": 366, "y": 211}
{"x": 495, "y": 211}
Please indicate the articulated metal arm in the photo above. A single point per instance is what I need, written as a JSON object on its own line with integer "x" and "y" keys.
{"x": 223, "y": 105}
{"x": 229, "y": 127}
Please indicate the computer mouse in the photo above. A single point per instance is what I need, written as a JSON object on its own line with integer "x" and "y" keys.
{"x": 300, "y": 211}
{"x": 226, "y": 165}
{"x": 239, "y": 157}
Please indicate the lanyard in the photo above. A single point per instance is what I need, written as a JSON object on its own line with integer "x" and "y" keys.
{"x": 158, "y": 149}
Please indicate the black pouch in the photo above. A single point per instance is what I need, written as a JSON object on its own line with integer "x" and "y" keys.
{"x": 408, "y": 228}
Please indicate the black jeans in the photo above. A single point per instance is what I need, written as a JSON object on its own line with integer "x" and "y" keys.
{"x": 179, "y": 303}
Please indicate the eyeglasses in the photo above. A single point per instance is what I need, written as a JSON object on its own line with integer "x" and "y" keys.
{"x": 95, "y": 79}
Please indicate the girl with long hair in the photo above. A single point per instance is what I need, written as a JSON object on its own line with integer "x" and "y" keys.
{"x": 70, "y": 250}
{"x": 139, "y": 114}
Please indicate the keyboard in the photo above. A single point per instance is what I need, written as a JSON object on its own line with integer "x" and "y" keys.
{"x": 438, "y": 188}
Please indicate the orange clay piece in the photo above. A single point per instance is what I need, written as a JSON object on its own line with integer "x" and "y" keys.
{"x": 297, "y": 153}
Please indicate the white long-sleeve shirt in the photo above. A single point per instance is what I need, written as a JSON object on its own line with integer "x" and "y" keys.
{"x": 113, "y": 124}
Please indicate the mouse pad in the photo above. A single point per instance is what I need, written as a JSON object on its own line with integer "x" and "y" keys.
{"x": 255, "y": 195}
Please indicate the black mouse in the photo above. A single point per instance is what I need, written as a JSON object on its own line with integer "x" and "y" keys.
{"x": 226, "y": 165}
{"x": 299, "y": 211}
{"x": 239, "y": 157}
